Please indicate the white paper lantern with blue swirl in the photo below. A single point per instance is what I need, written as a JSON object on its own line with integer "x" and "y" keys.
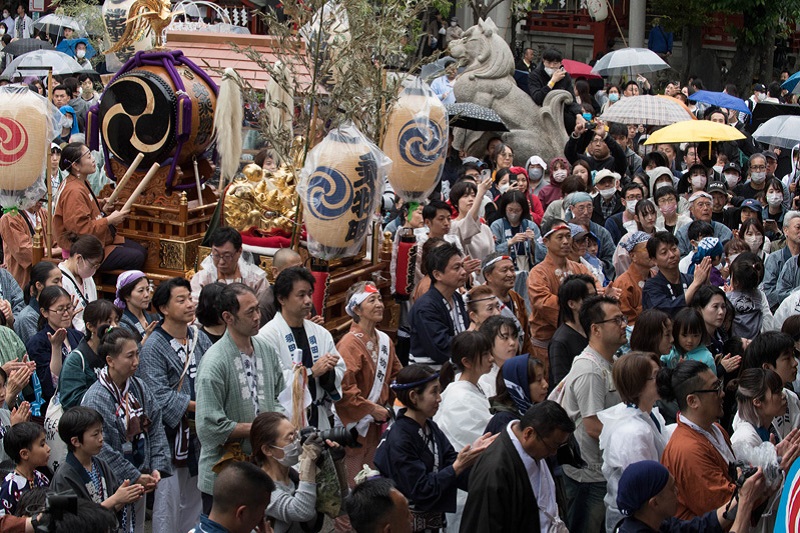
{"x": 416, "y": 141}
{"x": 340, "y": 187}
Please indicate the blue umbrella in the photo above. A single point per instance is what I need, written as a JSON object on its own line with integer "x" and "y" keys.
{"x": 791, "y": 83}
{"x": 68, "y": 47}
{"x": 720, "y": 100}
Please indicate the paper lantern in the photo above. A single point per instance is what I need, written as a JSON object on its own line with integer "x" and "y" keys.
{"x": 416, "y": 141}
{"x": 404, "y": 267}
{"x": 27, "y": 123}
{"x": 340, "y": 187}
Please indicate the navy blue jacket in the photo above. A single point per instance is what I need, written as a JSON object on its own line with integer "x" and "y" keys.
{"x": 405, "y": 457}
{"x": 39, "y": 350}
{"x": 432, "y": 328}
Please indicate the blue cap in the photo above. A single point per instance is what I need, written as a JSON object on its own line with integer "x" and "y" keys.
{"x": 753, "y": 204}
{"x": 640, "y": 482}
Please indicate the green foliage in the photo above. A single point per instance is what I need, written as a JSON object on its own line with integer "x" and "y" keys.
{"x": 346, "y": 50}
{"x": 88, "y": 14}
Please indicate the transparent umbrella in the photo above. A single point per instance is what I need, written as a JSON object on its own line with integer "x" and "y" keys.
{"x": 629, "y": 61}
{"x": 782, "y": 131}
{"x": 61, "y": 64}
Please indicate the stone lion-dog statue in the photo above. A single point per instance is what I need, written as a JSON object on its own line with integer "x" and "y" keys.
{"x": 488, "y": 80}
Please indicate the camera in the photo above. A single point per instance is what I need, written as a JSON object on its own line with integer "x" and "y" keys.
{"x": 340, "y": 436}
{"x": 747, "y": 470}
{"x": 56, "y": 506}
{"x": 590, "y": 126}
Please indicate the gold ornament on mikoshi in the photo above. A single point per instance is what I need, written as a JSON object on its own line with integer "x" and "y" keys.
{"x": 340, "y": 186}
{"x": 416, "y": 141}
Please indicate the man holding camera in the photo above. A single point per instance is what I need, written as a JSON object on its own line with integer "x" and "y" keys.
{"x": 648, "y": 499}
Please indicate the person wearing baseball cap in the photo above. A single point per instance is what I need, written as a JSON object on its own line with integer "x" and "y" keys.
{"x": 719, "y": 199}
{"x": 648, "y": 499}
{"x": 750, "y": 208}
{"x": 700, "y": 204}
{"x": 732, "y": 174}
{"x": 772, "y": 162}
{"x": 543, "y": 283}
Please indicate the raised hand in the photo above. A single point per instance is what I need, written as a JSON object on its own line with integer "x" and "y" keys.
{"x": 21, "y": 413}
{"x": 58, "y": 337}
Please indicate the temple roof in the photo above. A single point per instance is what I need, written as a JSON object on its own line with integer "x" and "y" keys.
{"x": 213, "y": 50}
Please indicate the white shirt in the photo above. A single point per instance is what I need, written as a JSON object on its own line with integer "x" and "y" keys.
{"x": 541, "y": 481}
{"x": 443, "y": 88}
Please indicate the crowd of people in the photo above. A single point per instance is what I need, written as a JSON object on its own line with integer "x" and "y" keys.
{"x": 603, "y": 341}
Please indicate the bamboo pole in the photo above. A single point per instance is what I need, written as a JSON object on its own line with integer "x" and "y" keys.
{"x": 124, "y": 181}
{"x": 140, "y": 188}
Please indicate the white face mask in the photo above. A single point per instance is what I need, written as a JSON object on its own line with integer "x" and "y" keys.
{"x": 663, "y": 184}
{"x": 774, "y": 199}
{"x": 607, "y": 193}
{"x": 5, "y": 14}
{"x": 66, "y": 122}
{"x": 503, "y": 188}
{"x": 698, "y": 183}
{"x": 631, "y": 206}
{"x": 514, "y": 218}
{"x": 291, "y": 454}
{"x": 549, "y": 71}
{"x": 2, "y": 31}
{"x": 559, "y": 175}
{"x": 758, "y": 177}
{"x": 453, "y": 23}
{"x": 754, "y": 242}
{"x": 732, "y": 179}
{"x": 80, "y": 54}
{"x": 717, "y": 169}
{"x": 535, "y": 174}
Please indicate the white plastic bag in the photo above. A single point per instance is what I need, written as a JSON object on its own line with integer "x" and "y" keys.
{"x": 340, "y": 186}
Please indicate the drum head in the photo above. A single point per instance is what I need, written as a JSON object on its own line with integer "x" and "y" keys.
{"x": 137, "y": 114}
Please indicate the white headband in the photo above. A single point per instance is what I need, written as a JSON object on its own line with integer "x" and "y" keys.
{"x": 358, "y": 298}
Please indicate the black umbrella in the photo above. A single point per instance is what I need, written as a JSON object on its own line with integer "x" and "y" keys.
{"x": 23, "y": 46}
{"x": 767, "y": 110}
{"x": 474, "y": 117}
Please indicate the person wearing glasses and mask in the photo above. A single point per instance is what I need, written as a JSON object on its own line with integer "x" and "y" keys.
{"x": 226, "y": 265}
{"x": 588, "y": 389}
{"x": 79, "y": 212}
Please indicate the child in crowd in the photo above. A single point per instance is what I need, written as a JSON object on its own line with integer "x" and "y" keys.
{"x": 709, "y": 247}
{"x": 85, "y": 474}
{"x": 25, "y": 444}
{"x": 752, "y": 308}
{"x": 689, "y": 332}
{"x": 9, "y": 391}
{"x": 697, "y": 231}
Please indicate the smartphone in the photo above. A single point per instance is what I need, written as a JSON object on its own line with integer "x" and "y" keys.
{"x": 486, "y": 173}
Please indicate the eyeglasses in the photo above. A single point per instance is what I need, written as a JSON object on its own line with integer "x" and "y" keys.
{"x": 227, "y": 256}
{"x": 619, "y": 320}
{"x": 62, "y": 310}
{"x": 582, "y": 208}
{"x": 92, "y": 264}
{"x": 758, "y": 167}
{"x": 703, "y": 205}
{"x": 717, "y": 389}
{"x": 554, "y": 447}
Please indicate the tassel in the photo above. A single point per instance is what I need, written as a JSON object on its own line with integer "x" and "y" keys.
{"x": 228, "y": 119}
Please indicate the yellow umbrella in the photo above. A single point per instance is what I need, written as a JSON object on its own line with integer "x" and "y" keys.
{"x": 694, "y": 131}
